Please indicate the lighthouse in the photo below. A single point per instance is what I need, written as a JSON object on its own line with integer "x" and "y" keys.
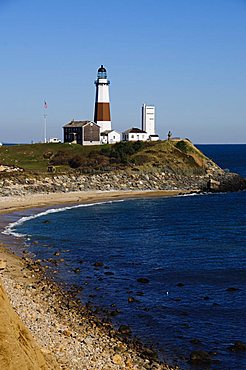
{"x": 102, "y": 105}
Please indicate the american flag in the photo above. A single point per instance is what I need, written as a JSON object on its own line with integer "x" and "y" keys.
{"x": 45, "y": 105}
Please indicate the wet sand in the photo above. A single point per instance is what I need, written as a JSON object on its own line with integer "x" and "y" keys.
{"x": 67, "y": 334}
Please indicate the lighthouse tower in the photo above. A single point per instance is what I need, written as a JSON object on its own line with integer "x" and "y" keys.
{"x": 102, "y": 105}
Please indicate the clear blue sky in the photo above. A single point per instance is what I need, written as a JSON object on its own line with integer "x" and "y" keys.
{"x": 187, "y": 57}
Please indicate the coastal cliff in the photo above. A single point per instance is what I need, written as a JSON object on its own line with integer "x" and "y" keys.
{"x": 167, "y": 165}
{"x": 18, "y": 348}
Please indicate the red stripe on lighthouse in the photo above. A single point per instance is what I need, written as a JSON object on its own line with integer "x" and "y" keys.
{"x": 102, "y": 112}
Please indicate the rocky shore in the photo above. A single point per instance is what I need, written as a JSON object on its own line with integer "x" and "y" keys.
{"x": 25, "y": 183}
{"x": 58, "y": 331}
{"x": 67, "y": 333}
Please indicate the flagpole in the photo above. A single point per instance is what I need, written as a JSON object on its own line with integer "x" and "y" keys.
{"x": 45, "y": 126}
{"x": 45, "y": 122}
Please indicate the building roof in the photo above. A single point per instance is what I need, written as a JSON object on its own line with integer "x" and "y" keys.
{"x": 105, "y": 133}
{"x": 102, "y": 69}
{"x": 134, "y": 130}
{"x": 78, "y": 123}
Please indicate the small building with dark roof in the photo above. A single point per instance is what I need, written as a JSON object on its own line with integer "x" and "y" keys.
{"x": 82, "y": 132}
{"x": 134, "y": 134}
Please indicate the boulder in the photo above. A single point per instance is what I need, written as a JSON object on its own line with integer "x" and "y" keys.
{"x": 117, "y": 360}
{"x": 238, "y": 346}
{"x": 98, "y": 264}
{"x": 200, "y": 357}
{"x": 232, "y": 289}
{"x": 143, "y": 280}
{"x": 125, "y": 329}
{"x": 213, "y": 185}
{"x": 132, "y": 299}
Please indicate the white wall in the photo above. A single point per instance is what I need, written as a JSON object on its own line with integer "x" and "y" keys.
{"x": 135, "y": 137}
{"x": 114, "y": 137}
{"x": 104, "y": 125}
{"x": 103, "y": 91}
{"x": 91, "y": 143}
{"x": 148, "y": 119}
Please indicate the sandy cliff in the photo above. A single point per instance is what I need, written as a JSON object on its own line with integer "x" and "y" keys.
{"x": 18, "y": 349}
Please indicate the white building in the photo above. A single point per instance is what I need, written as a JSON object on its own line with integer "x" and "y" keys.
{"x": 154, "y": 137}
{"x": 54, "y": 140}
{"x": 134, "y": 134}
{"x": 110, "y": 137}
{"x": 148, "y": 119}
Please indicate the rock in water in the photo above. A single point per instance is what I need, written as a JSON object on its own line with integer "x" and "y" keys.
{"x": 98, "y": 264}
{"x": 125, "y": 329}
{"x": 232, "y": 289}
{"x": 143, "y": 280}
{"x": 200, "y": 357}
{"x": 238, "y": 346}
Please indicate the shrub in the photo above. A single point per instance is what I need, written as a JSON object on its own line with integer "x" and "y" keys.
{"x": 140, "y": 159}
{"x": 60, "y": 158}
{"x": 75, "y": 162}
{"x": 120, "y": 152}
{"x": 182, "y": 145}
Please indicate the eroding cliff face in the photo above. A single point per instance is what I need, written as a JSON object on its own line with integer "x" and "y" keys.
{"x": 120, "y": 180}
{"x": 18, "y": 349}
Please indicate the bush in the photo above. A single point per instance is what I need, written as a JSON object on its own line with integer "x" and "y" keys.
{"x": 75, "y": 162}
{"x": 182, "y": 145}
{"x": 60, "y": 158}
{"x": 120, "y": 152}
{"x": 140, "y": 159}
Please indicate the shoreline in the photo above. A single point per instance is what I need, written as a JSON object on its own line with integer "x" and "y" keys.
{"x": 77, "y": 339}
{"x": 16, "y": 203}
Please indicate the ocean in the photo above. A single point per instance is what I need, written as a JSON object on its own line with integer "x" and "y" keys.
{"x": 173, "y": 269}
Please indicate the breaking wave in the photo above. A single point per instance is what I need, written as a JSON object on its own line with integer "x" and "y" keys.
{"x": 10, "y": 229}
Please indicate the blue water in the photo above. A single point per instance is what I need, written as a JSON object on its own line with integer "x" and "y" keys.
{"x": 231, "y": 157}
{"x": 191, "y": 249}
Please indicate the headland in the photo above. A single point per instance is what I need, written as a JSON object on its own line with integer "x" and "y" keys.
{"x": 68, "y": 334}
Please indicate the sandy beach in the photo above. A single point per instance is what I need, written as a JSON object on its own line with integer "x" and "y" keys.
{"x": 60, "y": 332}
{"x": 10, "y": 204}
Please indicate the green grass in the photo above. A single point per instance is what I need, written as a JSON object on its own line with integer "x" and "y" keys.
{"x": 181, "y": 156}
{"x": 36, "y": 157}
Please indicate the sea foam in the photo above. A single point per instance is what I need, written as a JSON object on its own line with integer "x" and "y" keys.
{"x": 10, "y": 228}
